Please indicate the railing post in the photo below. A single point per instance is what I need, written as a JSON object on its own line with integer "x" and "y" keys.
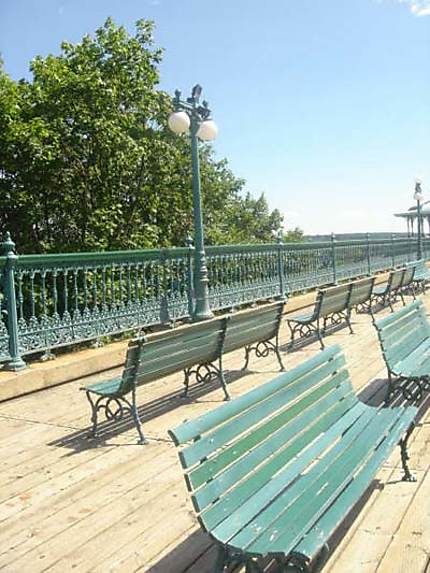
{"x": 392, "y": 251}
{"x": 281, "y": 269}
{"x": 190, "y": 277}
{"x": 333, "y": 257}
{"x": 369, "y": 266}
{"x": 16, "y": 362}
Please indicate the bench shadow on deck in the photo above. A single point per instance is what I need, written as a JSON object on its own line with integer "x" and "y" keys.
{"x": 80, "y": 440}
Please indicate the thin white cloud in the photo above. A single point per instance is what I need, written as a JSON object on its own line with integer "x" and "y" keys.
{"x": 418, "y": 7}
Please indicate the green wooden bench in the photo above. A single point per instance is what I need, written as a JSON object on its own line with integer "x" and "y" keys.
{"x": 421, "y": 275}
{"x": 273, "y": 472}
{"x": 405, "y": 342}
{"x": 331, "y": 306}
{"x": 360, "y": 296}
{"x": 407, "y": 286}
{"x": 389, "y": 293}
{"x": 256, "y": 330}
{"x": 197, "y": 349}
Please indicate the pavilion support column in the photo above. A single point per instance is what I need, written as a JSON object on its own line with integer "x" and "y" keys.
{"x": 408, "y": 223}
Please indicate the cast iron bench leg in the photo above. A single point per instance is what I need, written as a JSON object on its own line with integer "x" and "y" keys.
{"x": 278, "y": 354}
{"x": 407, "y": 476}
{"x": 135, "y": 414}
{"x": 94, "y": 408}
{"x": 348, "y": 320}
{"x": 222, "y": 379}
{"x": 186, "y": 382}
{"x": 319, "y": 334}
{"x": 247, "y": 353}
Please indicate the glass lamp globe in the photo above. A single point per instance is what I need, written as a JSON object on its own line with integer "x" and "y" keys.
{"x": 179, "y": 122}
{"x": 418, "y": 196}
{"x": 208, "y": 130}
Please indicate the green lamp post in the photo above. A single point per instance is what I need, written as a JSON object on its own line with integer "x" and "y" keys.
{"x": 194, "y": 118}
{"x": 418, "y": 196}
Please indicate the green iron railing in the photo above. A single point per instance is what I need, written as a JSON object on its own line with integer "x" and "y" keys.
{"x": 50, "y": 301}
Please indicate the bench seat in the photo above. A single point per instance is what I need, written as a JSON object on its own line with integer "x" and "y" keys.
{"x": 106, "y": 388}
{"x": 404, "y": 337}
{"x": 274, "y": 472}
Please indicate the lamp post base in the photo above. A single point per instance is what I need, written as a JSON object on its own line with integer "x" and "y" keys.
{"x": 15, "y": 365}
{"x": 202, "y": 310}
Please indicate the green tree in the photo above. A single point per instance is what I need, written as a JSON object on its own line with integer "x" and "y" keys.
{"x": 87, "y": 161}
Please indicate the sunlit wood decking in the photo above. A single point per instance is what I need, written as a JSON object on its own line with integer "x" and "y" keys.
{"x": 68, "y": 503}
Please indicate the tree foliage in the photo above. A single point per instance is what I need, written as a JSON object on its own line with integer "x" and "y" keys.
{"x": 87, "y": 161}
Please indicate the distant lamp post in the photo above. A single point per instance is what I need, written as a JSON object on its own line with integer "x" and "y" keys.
{"x": 191, "y": 117}
{"x": 418, "y": 196}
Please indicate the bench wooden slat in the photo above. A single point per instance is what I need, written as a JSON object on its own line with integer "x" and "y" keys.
{"x": 205, "y": 349}
{"x": 332, "y": 518}
{"x": 271, "y": 501}
{"x": 208, "y": 468}
{"x": 194, "y": 429}
{"x": 403, "y": 340}
{"x": 415, "y": 359}
{"x": 402, "y": 327}
{"x": 235, "y": 426}
{"x": 255, "y": 448}
{"x": 106, "y": 388}
{"x": 334, "y": 303}
{"x": 238, "y": 337}
{"x": 320, "y": 435}
{"x": 392, "y": 319}
{"x": 361, "y": 291}
{"x": 178, "y": 339}
{"x": 300, "y": 507}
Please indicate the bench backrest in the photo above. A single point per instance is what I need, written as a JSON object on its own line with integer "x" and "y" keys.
{"x": 408, "y": 275}
{"x": 236, "y": 449}
{"x": 332, "y": 300}
{"x": 361, "y": 291}
{"x": 161, "y": 354}
{"x": 402, "y": 332}
{"x": 419, "y": 265}
{"x": 395, "y": 279}
{"x": 253, "y": 325}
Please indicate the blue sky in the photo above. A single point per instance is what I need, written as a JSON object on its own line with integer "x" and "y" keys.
{"x": 322, "y": 104}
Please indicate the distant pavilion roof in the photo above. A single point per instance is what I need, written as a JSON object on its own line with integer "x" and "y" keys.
{"x": 412, "y": 211}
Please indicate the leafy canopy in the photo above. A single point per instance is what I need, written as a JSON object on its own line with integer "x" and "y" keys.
{"x": 87, "y": 161}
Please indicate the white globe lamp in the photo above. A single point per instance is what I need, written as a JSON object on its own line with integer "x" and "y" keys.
{"x": 179, "y": 122}
{"x": 208, "y": 130}
{"x": 418, "y": 195}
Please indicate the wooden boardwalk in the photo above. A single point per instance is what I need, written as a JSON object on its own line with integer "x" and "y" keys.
{"x": 70, "y": 504}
